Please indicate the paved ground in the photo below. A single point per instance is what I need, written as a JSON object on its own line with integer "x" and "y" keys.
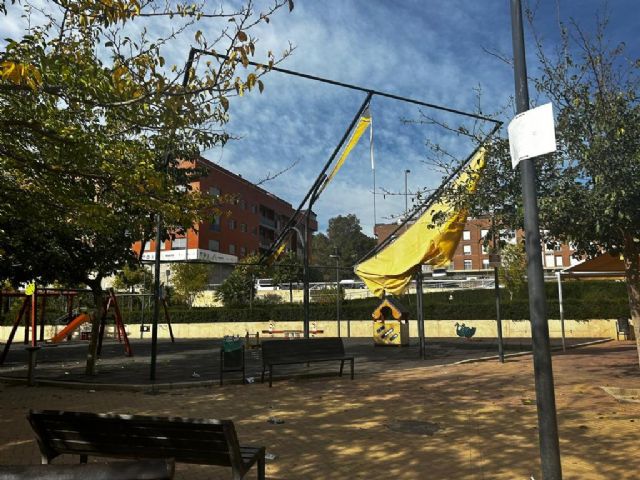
{"x": 197, "y": 361}
{"x": 408, "y": 421}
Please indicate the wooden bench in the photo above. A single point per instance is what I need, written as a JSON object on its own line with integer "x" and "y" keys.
{"x": 303, "y": 350}
{"x": 186, "y": 440}
{"x": 127, "y": 470}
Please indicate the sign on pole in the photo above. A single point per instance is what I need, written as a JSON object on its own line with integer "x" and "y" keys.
{"x": 531, "y": 134}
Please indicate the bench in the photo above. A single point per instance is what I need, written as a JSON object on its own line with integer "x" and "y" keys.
{"x": 127, "y": 470}
{"x": 186, "y": 440}
{"x": 303, "y": 350}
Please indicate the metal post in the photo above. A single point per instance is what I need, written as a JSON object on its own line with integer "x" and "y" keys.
{"x": 305, "y": 274}
{"x": 338, "y": 296}
{"x": 543, "y": 371}
{"x": 157, "y": 293}
{"x": 406, "y": 194}
{"x": 420, "y": 313}
{"x": 560, "y": 300}
{"x": 496, "y": 280}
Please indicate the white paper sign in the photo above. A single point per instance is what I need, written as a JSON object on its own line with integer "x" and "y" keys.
{"x": 531, "y": 134}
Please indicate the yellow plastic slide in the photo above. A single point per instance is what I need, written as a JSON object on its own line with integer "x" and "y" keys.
{"x": 75, "y": 323}
{"x": 427, "y": 241}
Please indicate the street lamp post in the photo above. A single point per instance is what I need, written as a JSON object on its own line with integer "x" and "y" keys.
{"x": 338, "y": 299}
{"x": 406, "y": 194}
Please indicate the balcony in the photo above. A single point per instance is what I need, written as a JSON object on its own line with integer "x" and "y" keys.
{"x": 267, "y": 222}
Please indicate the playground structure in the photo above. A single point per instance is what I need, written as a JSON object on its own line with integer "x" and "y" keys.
{"x": 33, "y": 310}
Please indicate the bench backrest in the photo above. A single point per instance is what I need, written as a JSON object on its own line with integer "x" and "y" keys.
{"x": 199, "y": 441}
{"x": 303, "y": 347}
{"x": 623, "y": 325}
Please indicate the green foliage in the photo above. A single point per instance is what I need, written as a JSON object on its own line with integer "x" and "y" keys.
{"x": 287, "y": 269}
{"x": 514, "y": 267}
{"x": 344, "y": 237}
{"x": 130, "y": 277}
{"x": 239, "y": 287}
{"x": 189, "y": 279}
{"x": 94, "y": 125}
{"x": 583, "y": 300}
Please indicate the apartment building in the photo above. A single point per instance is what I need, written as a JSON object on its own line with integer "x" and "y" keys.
{"x": 473, "y": 254}
{"x": 252, "y": 219}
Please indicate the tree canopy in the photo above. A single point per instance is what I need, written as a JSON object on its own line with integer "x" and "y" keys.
{"x": 96, "y": 119}
{"x": 345, "y": 237}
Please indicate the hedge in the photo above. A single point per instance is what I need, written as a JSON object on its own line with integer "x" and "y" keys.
{"x": 582, "y": 300}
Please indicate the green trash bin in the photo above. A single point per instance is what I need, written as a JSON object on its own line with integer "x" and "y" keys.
{"x": 232, "y": 356}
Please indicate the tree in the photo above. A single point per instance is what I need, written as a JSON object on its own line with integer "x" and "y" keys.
{"x": 189, "y": 279}
{"x": 238, "y": 289}
{"x": 130, "y": 277}
{"x": 344, "y": 236}
{"x": 514, "y": 267}
{"x": 288, "y": 269}
{"x": 94, "y": 126}
{"x": 595, "y": 89}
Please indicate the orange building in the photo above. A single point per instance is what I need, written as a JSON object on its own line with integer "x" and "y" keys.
{"x": 255, "y": 218}
{"x": 472, "y": 254}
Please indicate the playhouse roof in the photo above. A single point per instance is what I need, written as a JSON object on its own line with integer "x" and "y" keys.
{"x": 399, "y": 311}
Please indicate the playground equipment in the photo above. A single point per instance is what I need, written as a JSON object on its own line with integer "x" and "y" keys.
{"x": 70, "y": 328}
{"x": 391, "y": 324}
{"x": 28, "y": 313}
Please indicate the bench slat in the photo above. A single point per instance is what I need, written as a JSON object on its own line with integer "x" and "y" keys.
{"x": 199, "y": 441}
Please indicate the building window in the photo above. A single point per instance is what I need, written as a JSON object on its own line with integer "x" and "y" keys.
{"x": 243, "y": 227}
{"x": 243, "y": 204}
{"x": 485, "y": 249}
{"x": 559, "y": 261}
{"x": 163, "y": 245}
{"x": 214, "y": 245}
{"x": 215, "y": 224}
{"x": 254, "y": 231}
{"x": 179, "y": 244}
{"x": 232, "y": 249}
{"x": 468, "y": 265}
{"x": 557, "y": 247}
{"x": 485, "y": 263}
{"x": 466, "y": 249}
{"x": 243, "y": 251}
{"x": 466, "y": 235}
{"x": 484, "y": 232}
{"x": 214, "y": 191}
{"x": 232, "y": 224}
{"x": 254, "y": 208}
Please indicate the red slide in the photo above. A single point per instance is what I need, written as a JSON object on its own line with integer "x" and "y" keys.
{"x": 73, "y": 324}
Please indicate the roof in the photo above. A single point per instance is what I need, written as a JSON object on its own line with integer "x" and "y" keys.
{"x": 602, "y": 265}
{"x": 398, "y": 310}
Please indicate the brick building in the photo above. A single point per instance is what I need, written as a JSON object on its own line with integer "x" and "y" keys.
{"x": 252, "y": 220}
{"x": 472, "y": 254}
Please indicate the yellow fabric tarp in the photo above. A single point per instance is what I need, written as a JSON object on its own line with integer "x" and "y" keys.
{"x": 424, "y": 242}
{"x": 361, "y": 127}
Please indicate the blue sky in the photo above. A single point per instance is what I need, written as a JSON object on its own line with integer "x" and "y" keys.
{"x": 423, "y": 49}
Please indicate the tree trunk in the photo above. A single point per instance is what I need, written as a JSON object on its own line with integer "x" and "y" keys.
{"x": 96, "y": 315}
{"x": 632, "y": 273}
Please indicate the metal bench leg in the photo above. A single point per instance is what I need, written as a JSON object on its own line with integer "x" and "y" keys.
{"x": 83, "y": 458}
{"x": 261, "y": 468}
{"x": 270, "y": 375}
{"x": 341, "y": 367}
{"x": 352, "y": 362}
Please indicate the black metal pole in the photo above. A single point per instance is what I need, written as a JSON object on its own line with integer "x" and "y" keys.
{"x": 338, "y": 296}
{"x": 496, "y": 279}
{"x": 156, "y": 301}
{"x": 420, "y": 312}
{"x": 157, "y": 289}
{"x": 545, "y": 395}
{"x": 305, "y": 274}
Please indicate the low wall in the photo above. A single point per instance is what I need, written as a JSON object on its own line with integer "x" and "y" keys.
{"x": 434, "y": 328}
